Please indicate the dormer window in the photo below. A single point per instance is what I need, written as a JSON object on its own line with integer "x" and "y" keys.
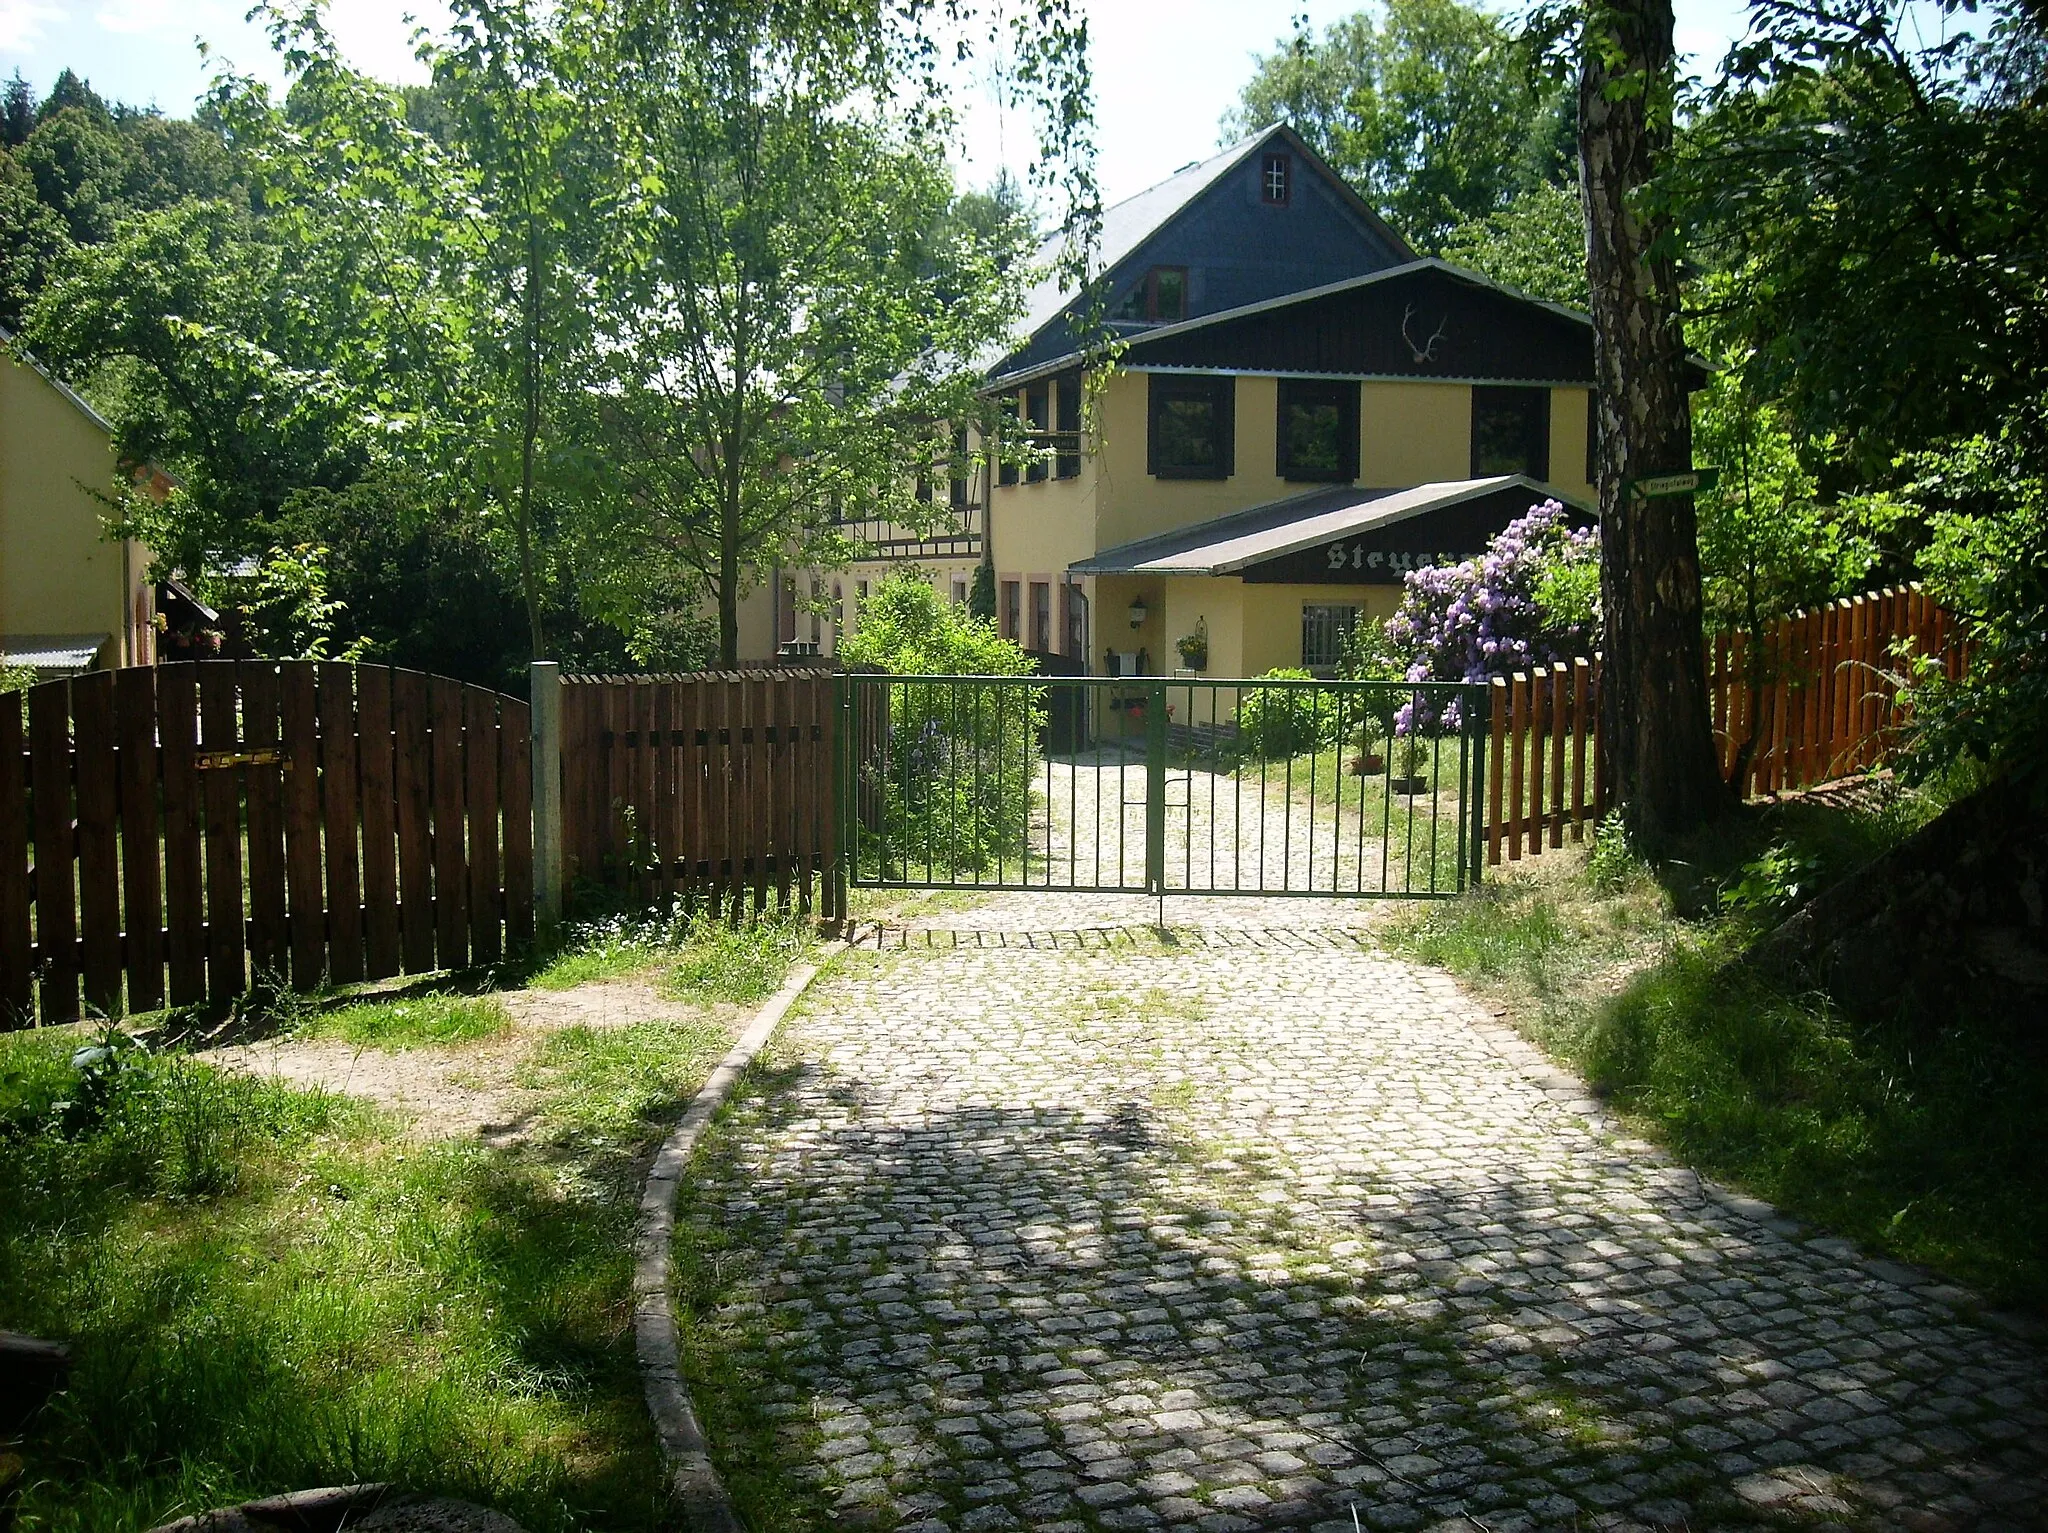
{"x": 1161, "y": 298}
{"x": 1276, "y": 180}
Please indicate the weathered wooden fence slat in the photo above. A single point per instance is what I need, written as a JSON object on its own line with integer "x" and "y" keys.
{"x": 197, "y": 826}
{"x": 714, "y": 788}
{"x": 1812, "y": 697}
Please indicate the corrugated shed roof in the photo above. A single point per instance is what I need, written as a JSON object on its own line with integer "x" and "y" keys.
{"x": 1227, "y": 544}
{"x": 54, "y": 655}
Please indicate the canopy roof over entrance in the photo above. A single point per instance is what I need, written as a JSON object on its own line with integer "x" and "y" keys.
{"x": 1427, "y": 523}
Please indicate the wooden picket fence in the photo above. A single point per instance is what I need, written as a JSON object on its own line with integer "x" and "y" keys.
{"x": 1819, "y": 698}
{"x": 197, "y": 827}
{"x": 715, "y": 788}
{"x": 1544, "y": 753}
{"x": 1819, "y": 694}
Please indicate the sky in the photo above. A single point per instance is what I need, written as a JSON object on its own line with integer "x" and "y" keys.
{"x": 1165, "y": 70}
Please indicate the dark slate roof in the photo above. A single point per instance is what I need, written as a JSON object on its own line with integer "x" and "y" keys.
{"x": 1206, "y": 217}
{"x": 1228, "y": 545}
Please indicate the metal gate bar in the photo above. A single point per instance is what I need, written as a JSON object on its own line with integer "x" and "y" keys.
{"x": 1286, "y": 787}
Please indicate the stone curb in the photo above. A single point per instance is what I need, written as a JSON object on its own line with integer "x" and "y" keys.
{"x": 699, "y": 1491}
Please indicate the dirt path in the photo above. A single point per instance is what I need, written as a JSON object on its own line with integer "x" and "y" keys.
{"x": 463, "y": 1089}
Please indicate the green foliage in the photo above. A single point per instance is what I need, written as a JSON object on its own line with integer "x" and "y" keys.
{"x": 1869, "y": 186}
{"x": 738, "y": 963}
{"x": 620, "y": 1083}
{"x": 981, "y": 598}
{"x": 1434, "y": 114}
{"x": 779, "y": 338}
{"x": 423, "y": 1021}
{"x": 908, "y": 629}
{"x": 1278, "y": 723}
{"x": 1916, "y": 1136}
{"x": 1782, "y": 878}
{"x": 159, "y": 1123}
{"x": 1535, "y": 241}
{"x": 1987, "y": 562}
{"x": 1771, "y": 542}
{"x": 1613, "y": 861}
{"x": 420, "y": 583}
{"x": 262, "y": 1289}
{"x": 700, "y": 956}
{"x": 1926, "y": 1145}
{"x": 16, "y": 678}
{"x": 956, "y": 791}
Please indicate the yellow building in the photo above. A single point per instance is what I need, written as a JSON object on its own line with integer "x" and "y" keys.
{"x": 1299, "y": 411}
{"x": 71, "y": 598}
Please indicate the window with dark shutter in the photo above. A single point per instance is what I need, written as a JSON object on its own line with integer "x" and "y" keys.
{"x": 1007, "y": 442}
{"x": 1035, "y": 415}
{"x": 1510, "y": 431}
{"x": 1317, "y": 431}
{"x": 1067, "y": 465}
{"x": 958, "y": 494}
{"x": 1192, "y": 422}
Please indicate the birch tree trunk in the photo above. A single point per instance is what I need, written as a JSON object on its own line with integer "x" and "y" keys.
{"x": 1659, "y": 735}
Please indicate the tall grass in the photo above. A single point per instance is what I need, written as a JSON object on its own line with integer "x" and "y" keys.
{"x": 694, "y": 955}
{"x": 264, "y": 1290}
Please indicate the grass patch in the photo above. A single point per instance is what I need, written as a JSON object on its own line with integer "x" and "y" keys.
{"x": 616, "y": 1086}
{"x": 742, "y": 964}
{"x": 423, "y": 1021}
{"x": 1921, "y": 1141}
{"x": 698, "y": 957}
{"x": 267, "y": 1288}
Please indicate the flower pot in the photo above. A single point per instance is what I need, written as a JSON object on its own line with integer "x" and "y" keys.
{"x": 1408, "y": 785}
{"x": 1371, "y": 764}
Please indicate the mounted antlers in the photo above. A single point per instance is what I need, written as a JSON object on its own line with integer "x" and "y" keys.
{"x": 1427, "y": 351}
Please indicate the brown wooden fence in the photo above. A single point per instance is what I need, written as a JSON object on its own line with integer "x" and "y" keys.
{"x": 1819, "y": 694}
{"x": 1817, "y": 700}
{"x": 716, "y": 788}
{"x": 196, "y": 825}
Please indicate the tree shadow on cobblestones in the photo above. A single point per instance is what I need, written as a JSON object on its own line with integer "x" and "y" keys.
{"x": 1065, "y": 1318}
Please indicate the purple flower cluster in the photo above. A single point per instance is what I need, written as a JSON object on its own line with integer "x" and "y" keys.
{"x": 1483, "y": 618}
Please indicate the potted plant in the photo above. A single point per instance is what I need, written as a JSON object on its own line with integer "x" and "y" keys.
{"x": 1194, "y": 647}
{"x": 1410, "y": 779}
{"x": 1365, "y": 761}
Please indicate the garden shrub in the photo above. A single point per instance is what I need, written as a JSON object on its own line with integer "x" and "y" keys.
{"x": 1275, "y": 723}
{"x": 1531, "y": 598}
{"x": 954, "y": 789}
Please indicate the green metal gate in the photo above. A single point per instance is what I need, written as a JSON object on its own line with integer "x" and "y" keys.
{"x": 1162, "y": 785}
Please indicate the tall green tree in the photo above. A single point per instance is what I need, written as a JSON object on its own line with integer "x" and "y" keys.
{"x": 516, "y": 80}
{"x": 1535, "y": 242}
{"x": 1435, "y": 111}
{"x": 793, "y": 294}
{"x": 1659, "y": 738}
{"x": 1873, "y": 187}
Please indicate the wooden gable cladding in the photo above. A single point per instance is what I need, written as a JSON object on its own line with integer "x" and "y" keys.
{"x": 1422, "y": 323}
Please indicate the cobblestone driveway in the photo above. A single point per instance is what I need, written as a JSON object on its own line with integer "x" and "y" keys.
{"x": 1262, "y": 1230}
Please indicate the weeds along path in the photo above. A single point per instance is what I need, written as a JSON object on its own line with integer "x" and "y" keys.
{"x": 1249, "y": 1229}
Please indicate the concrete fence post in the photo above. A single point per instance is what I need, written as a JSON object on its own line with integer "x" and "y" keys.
{"x": 545, "y": 693}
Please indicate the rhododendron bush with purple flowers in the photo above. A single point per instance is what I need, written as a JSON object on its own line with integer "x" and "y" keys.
{"x": 1531, "y": 598}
